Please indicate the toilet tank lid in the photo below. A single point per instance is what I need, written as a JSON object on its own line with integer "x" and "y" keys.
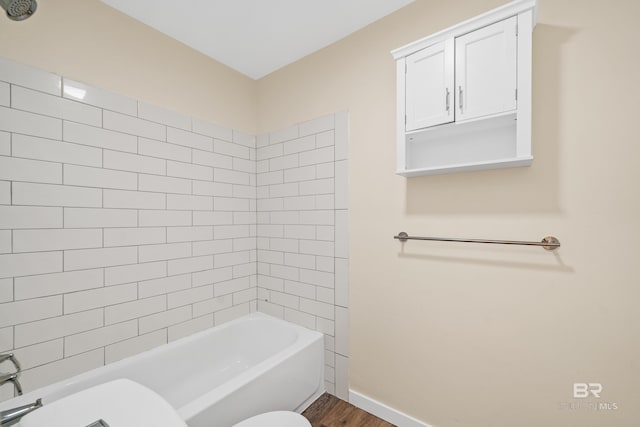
{"x": 120, "y": 403}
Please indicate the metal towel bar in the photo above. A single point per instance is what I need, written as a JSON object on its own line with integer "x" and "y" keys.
{"x": 549, "y": 243}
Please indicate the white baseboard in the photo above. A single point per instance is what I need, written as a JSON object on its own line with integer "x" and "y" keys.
{"x": 383, "y": 411}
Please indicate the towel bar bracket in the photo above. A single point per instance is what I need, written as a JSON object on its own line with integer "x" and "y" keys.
{"x": 550, "y": 243}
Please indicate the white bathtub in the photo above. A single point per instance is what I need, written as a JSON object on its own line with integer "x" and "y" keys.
{"x": 220, "y": 376}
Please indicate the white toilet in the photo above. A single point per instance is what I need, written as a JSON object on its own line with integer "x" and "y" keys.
{"x": 276, "y": 419}
{"x": 125, "y": 403}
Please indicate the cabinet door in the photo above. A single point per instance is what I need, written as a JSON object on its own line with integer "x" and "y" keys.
{"x": 429, "y": 86}
{"x": 486, "y": 62}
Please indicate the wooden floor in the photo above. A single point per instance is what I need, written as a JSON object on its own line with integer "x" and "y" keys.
{"x": 329, "y": 411}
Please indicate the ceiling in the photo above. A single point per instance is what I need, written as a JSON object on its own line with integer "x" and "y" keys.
{"x": 257, "y": 37}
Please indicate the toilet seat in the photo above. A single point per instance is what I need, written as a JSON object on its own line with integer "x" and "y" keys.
{"x": 275, "y": 419}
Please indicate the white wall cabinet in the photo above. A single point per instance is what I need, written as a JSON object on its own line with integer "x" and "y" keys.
{"x": 464, "y": 95}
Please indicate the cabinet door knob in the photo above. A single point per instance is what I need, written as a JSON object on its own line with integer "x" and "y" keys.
{"x": 460, "y": 97}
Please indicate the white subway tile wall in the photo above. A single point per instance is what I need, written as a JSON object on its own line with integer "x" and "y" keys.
{"x": 302, "y": 201}
{"x": 117, "y": 225}
{"x": 124, "y": 226}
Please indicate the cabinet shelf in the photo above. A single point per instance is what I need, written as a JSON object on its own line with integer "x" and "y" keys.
{"x": 468, "y": 167}
{"x": 483, "y": 143}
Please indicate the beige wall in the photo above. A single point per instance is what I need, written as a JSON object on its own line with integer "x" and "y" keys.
{"x": 453, "y": 334}
{"x": 91, "y": 42}
{"x": 462, "y": 335}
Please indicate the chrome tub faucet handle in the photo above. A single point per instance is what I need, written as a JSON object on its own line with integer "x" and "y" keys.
{"x": 13, "y": 377}
{"x": 12, "y": 358}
